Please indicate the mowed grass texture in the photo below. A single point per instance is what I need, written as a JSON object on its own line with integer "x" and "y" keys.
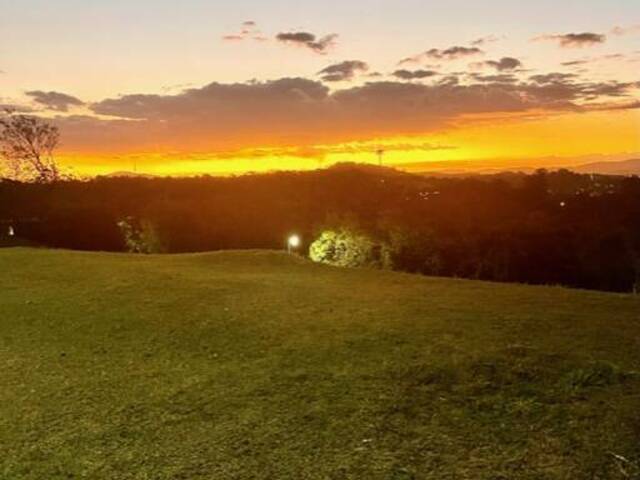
{"x": 258, "y": 365}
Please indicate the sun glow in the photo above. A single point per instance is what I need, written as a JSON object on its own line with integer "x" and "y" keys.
{"x": 478, "y": 142}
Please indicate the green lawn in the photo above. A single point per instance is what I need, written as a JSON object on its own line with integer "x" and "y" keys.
{"x": 257, "y": 365}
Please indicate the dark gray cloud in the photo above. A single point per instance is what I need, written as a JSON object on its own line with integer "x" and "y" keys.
{"x": 506, "y": 63}
{"x": 309, "y": 40}
{"x": 343, "y": 71}
{"x": 574, "y": 63}
{"x": 298, "y": 111}
{"x": 554, "y": 77}
{"x": 485, "y": 40}
{"x": 452, "y": 53}
{"x": 57, "y": 101}
{"x": 575, "y": 40}
{"x": 414, "y": 74}
{"x": 501, "y": 78}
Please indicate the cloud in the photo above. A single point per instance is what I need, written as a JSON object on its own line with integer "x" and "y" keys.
{"x": 574, "y": 63}
{"x": 309, "y": 40}
{"x": 302, "y": 112}
{"x": 554, "y": 77}
{"x": 504, "y": 64}
{"x": 606, "y": 58}
{"x": 351, "y": 148}
{"x": 501, "y": 78}
{"x": 248, "y": 31}
{"x": 575, "y": 40}
{"x": 14, "y": 107}
{"x": 343, "y": 71}
{"x": 59, "y": 102}
{"x": 630, "y": 30}
{"x": 452, "y": 53}
{"x": 414, "y": 74}
{"x": 485, "y": 40}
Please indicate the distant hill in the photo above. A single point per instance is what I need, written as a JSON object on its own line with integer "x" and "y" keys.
{"x": 467, "y": 168}
{"x": 625, "y": 167}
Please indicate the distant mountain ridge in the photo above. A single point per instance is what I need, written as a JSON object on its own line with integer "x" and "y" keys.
{"x": 624, "y": 167}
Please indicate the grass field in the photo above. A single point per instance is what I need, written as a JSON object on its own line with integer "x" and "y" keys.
{"x": 257, "y": 365}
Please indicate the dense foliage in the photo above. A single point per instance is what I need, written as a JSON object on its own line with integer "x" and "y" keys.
{"x": 547, "y": 228}
{"x": 349, "y": 248}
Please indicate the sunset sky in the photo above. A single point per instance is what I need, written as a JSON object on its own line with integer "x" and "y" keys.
{"x": 217, "y": 87}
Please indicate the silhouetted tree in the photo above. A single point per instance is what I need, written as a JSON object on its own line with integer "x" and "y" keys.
{"x": 26, "y": 148}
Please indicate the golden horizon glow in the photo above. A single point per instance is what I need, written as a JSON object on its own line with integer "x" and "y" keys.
{"x": 552, "y": 141}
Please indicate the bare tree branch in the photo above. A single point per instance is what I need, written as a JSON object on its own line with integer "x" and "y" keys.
{"x": 27, "y": 146}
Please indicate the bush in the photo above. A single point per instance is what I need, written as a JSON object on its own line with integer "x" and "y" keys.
{"x": 348, "y": 248}
{"x": 414, "y": 251}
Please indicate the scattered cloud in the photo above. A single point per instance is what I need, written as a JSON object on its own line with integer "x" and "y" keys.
{"x": 630, "y": 30}
{"x": 554, "y": 77}
{"x": 601, "y": 58}
{"x": 452, "y": 53}
{"x": 504, "y": 64}
{"x": 301, "y": 111}
{"x": 485, "y": 40}
{"x": 575, "y": 63}
{"x": 57, "y": 101}
{"x": 343, "y": 71}
{"x": 14, "y": 107}
{"x": 414, "y": 74}
{"x": 501, "y": 78}
{"x": 351, "y": 148}
{"x": 248, "y": 31}
{"x": 574, "y": 40}
{"x": 309, "y": 40}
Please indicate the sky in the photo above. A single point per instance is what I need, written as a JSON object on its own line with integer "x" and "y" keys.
{"x": 196, "y": 86}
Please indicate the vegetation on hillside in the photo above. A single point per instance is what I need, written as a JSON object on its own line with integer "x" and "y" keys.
{"x": 547, "y": 228}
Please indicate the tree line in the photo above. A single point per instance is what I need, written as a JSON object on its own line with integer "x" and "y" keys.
{"x": 546, "y": 228}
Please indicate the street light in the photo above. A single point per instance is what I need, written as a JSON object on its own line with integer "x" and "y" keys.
{"x": 293, "y": 243}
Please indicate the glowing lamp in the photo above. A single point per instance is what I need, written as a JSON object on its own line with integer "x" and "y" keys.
{"x": 293, "y": 242}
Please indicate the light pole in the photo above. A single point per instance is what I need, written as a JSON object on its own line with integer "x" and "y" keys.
{"x": 293, "y": 242}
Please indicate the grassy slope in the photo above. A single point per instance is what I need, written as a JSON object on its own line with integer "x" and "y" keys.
{"x": 257, "y": 365}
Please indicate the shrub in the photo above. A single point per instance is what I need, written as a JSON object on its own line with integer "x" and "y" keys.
{"x": 413, "y": 251}
{"x": 348, "y": 248}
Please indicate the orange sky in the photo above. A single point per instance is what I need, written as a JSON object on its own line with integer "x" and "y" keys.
{"x": 474, "y": 143}
{"x": 204, "y": 88}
